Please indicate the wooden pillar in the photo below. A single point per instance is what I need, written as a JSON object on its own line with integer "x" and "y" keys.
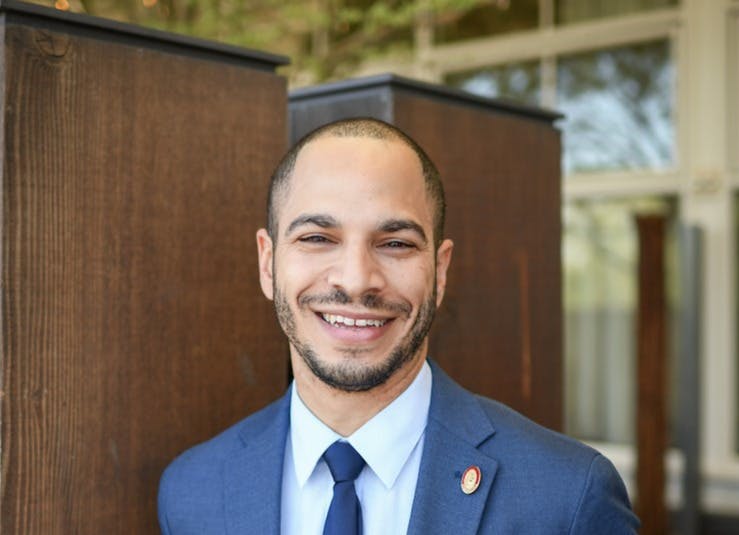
{"x": 652, "y": 376}
{"x": 135, "y": 169}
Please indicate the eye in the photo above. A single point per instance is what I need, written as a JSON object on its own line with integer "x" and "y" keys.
{"x": 314, "y": 239}
{"x": 397, "y": 244}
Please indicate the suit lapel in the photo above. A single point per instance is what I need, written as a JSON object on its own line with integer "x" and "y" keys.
{"x": 253, "y": 475}
{"x": 456, "y": 427}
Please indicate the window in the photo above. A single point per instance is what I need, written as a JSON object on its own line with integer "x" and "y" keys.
{"x": 618, "y": 108}
{"x": 516, "y": 81}
{"x": 600, "y": 249}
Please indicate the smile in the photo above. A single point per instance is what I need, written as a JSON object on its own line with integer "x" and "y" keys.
{"x": 337, "y": 320}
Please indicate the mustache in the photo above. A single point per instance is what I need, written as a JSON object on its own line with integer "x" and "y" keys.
{"x": 368, "y": 301}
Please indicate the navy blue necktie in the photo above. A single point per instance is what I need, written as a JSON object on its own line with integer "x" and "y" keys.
{"x": 345, "y": 513}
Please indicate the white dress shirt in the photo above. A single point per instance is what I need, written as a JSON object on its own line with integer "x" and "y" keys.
{"x": 391, "y": 443}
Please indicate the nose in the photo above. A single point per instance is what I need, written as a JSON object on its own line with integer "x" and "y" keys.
{"x": 357, "y": 272}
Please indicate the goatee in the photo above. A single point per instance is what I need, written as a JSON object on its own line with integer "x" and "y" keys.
{"x": 350, "y": 375}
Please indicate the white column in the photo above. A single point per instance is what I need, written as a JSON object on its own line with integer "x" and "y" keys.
{"x": 707, "y": 202}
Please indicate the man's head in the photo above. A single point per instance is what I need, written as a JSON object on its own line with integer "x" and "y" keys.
{"x": 360, "y": 128}
{"x": 353, "y": 257}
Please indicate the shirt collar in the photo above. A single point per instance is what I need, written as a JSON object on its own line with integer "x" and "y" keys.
{"x": 385, "y": 442}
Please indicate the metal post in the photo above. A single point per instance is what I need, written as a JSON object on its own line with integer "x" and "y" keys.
{"x": 687, "y": 420}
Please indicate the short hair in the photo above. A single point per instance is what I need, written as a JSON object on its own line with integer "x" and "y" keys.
{"x": 361, "y": 127}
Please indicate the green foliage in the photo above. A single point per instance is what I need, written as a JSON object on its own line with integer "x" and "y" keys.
{"x": 326, "y": 38}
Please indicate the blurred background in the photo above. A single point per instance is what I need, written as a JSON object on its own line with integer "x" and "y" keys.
{"x": 650, "y": 93}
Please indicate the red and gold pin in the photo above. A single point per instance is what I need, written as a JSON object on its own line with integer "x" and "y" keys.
{"x": 471, "y": 479}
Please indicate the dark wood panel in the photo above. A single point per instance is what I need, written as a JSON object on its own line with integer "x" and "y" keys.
{"x": 499, "y": 329}
{"x": 133, "y": 324}
{"x": 312, "y": 113}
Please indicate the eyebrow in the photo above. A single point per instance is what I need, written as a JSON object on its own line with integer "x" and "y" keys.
{"x": 327, "y": 221}
{"x": 396, "y": 225}
{"x": 320, "y": 220}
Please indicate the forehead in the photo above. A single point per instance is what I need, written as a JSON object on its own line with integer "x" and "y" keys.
{"x": 351, "y": 175}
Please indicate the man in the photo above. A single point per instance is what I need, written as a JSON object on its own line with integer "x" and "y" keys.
{"x": 354, "y": 260}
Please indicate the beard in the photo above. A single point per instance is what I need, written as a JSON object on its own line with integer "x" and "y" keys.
{"x": 350, "y": 375}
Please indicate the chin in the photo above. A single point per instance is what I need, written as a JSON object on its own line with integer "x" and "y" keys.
{"x": 354, "y": 373}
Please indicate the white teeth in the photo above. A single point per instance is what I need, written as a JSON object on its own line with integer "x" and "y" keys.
{"x": 335, "y": 319}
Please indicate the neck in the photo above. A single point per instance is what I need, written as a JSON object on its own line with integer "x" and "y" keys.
{"x": 345, "y": 412}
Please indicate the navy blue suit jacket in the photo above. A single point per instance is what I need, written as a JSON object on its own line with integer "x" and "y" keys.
{"x": 534, "y": 481}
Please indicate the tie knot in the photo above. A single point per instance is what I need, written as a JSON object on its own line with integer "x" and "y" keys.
{"x": 343, "y": 461}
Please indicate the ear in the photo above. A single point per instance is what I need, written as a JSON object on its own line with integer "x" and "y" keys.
{"x": 443, "y": 259}
{"x": 265, "y": 250}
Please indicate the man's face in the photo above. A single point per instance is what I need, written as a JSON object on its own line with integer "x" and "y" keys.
{"x": 354, "y": 273}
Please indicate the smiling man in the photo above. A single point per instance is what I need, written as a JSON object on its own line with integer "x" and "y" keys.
{"x": 372, "y": 437}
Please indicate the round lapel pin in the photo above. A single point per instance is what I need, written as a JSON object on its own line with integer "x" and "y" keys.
{"x": 471, "y": 479}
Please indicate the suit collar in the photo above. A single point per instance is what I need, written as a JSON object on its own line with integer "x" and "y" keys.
{"x": 253, "y": 475}
{"x": 457, "y": 426}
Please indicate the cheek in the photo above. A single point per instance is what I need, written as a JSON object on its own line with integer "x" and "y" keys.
{"x": 415, "y": 283}
{"x": 296, "y": 275}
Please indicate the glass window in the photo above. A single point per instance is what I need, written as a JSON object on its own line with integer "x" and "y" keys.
{"x": 516, "y": 81}
{"x": 600, "y": 255}
{"x": 568, "y": 11}
{"x": 618, "y": 105}
{"x": 493, "y": 18}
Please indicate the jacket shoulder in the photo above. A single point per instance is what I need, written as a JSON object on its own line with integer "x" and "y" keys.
{"x": 231, "y": 439}
{"x": 518, "y": 429}
{"x": 573, "y": 478}
{"x": 190, "y": 498}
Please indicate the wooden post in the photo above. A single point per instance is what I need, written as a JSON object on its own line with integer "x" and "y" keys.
{"x": 652, "y": 376}
{"x": 134, "y": 170}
